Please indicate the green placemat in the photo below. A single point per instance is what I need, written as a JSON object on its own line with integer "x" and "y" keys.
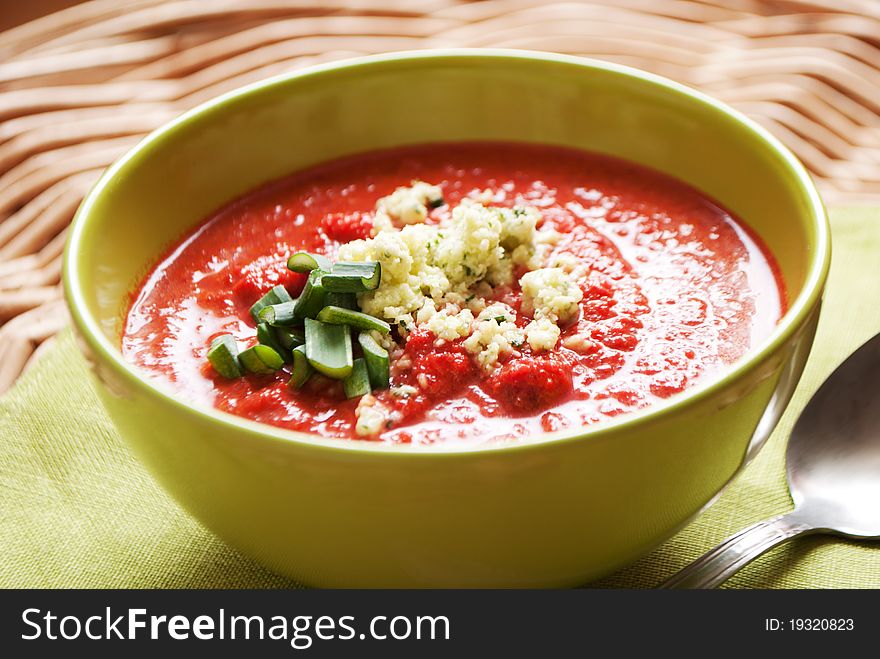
{"x": 77, "y": 510}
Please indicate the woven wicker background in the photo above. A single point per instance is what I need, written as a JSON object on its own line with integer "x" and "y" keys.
{"x": 81, "y": 86}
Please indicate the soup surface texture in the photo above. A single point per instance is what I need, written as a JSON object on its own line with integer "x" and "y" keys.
{"x": 529, "y": 288}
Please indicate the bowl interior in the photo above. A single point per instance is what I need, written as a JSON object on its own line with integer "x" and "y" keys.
{"x": 218, "y": 152}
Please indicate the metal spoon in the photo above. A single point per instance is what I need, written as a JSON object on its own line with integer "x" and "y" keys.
{"x": 833, "y": 466}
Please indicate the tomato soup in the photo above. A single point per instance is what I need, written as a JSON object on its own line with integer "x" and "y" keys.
{"x": 527, "y": 289}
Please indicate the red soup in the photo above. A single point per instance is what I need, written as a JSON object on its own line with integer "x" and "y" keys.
{"x": 501, "y": 290}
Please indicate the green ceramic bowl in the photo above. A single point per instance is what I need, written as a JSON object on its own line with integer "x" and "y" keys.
{"x": 553, "y": 510}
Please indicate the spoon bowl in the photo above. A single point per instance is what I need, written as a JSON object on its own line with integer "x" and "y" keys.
{"x": 833, "y": 457}
{"x": 833, "y": 468}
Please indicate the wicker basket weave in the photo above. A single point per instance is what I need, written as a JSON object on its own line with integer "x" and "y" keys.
{"x": 79, "y": 87}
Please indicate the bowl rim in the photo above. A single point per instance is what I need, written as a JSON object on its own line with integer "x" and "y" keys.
{"x": 794, "y": 318}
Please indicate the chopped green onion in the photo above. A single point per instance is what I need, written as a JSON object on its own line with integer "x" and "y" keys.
{"x": 305, "y": 262}
{"x": 267, "y": 336}
{"x": 328, "y": 348}
{"x": 277, "y": 295}
{"x": 344, "y": 300}
{"x": 356, "y": 319}
{"x": 435, "y": 202}
{"x": 358, "y": 383}
{"x": 312, "y": 299}
{"x": 377, "y": 361}
{"x": 353, "y": 277}
{"x": 289, "y": 337}
{"x": 302, "y": 370}
{"x": 223, "y": 355}
{"x": 279, "y": 315}
{"x": 261, "y": 359}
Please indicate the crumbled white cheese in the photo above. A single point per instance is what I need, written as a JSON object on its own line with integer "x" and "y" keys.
{"x": 470, "y": 248}
{"x": 485, "y": 196}
{"x": 550, "y": 293}
{"x": 574, "y": 267}
{"x": 543, "y": 243}
{"x": 403, "y": 391}
{"x": 440, "y": 276}
{"x": 441, "y": 262}
{"x": 499, "y": 312}
{"x": 518, "y": 227}
{"x": 524, "y": 255}
{"x": 547, "y": 236}
{"x": 395, "y": 302}
{"x": 400, "y": 362}
{"x": 479, "y": 293}
{"x": 422, "y": 242}
{"x": 490, "y": 340}
{"x": 371, "y": 416}
{"x": 447, "y": 324}
{"x": 407, "y": 205}
{"x": 494, "y": 334}
{"x": 480, "y": 243}
{"x": 579, "y": 343}
{"x": 389, "y": 248}
{"x": 542, "y": 334}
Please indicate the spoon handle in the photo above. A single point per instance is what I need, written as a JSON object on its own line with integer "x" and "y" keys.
{"x": 717, "y": 565}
